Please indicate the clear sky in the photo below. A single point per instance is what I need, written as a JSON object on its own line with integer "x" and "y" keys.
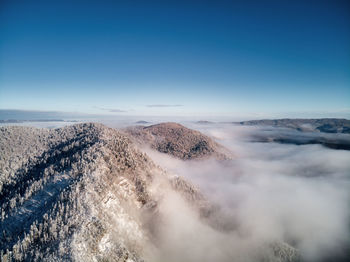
{"x": 262, "y": 58}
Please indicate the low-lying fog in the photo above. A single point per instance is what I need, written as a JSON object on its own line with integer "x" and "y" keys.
{"x": 271, "y": 193}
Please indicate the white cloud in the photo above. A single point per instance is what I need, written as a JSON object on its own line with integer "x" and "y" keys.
{"x": 270, "y": 193}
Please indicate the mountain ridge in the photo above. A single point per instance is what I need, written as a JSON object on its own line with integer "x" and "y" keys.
{"x": 86, "y": 193}
{"x": 179, "y": 141}
{"x": 327, "y": 125}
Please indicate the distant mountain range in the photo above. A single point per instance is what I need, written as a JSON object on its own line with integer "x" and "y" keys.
{"x": 329, "y": 132}
{"x": 142, "y": 122}
{"x": 13, "y": 121}
{"x": 326, "y": 125}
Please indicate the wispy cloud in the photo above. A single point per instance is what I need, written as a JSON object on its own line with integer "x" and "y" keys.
{"x": 163, "y": 105}
{"x": 117, "y": 110}
{"x": 112, "y": 110}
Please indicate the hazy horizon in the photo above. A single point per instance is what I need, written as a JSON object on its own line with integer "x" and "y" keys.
{"x": 32, "y": 115}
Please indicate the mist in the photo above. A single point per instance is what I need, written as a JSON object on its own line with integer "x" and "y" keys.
{"x": 295, "y": 195}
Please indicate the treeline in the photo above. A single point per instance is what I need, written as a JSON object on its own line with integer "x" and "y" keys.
{"x": 50, "y": 234}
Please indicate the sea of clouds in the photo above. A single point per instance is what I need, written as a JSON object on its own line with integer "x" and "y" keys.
{"x": 269, "y": 193}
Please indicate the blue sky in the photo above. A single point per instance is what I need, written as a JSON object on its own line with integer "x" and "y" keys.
{"x": 254, "y": 58}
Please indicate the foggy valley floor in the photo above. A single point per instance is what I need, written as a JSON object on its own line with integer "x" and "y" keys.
{"x": 86, "y": 192}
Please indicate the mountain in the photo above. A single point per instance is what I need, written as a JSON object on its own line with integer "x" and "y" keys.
{"x": 76, "y": 193}
{"x": 34, "y": 120}
{"x": 327, "y": 125}
{"x": 302, "y": 138}
{"x": 329, "y": 132}
{"x": 142, "y": 122}
{"x": 86, "y": 193}
{"x": 178, "y": 141}
{"x": 204, "y": 122}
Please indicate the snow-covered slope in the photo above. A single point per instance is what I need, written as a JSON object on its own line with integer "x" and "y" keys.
{"x": 86, "y": 193}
